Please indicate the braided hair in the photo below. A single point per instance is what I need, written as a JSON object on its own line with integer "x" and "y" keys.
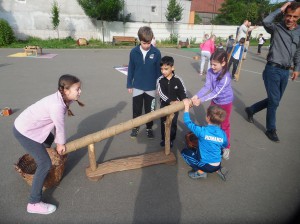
{"x": 65, "y": 82}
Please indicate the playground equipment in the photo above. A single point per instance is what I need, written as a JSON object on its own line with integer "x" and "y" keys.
{"x": 26, "y": 167}
{"x": 96, "y": 171}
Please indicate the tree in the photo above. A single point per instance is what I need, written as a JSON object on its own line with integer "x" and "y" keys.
{"x": 197, "y": 19}
{"x": 174, "y": 11}
{"x": 235, "y": 12}
{"x": 55, "y": 17}
{"x": 107, "y": 10}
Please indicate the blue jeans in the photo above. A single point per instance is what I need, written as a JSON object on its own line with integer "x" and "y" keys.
{"x": 41, "y": 157}
{"x": 275, "y": 80}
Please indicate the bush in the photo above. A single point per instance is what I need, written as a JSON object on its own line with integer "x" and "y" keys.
{"x": 6, "y": 33}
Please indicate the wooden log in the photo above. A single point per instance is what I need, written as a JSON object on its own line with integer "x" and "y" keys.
{"x": 122, "y": 127}
{"x": 168, "y": 124}
{"x": 237, "y": 74}
{"x": 92, "y": 157}
{"x": 130, "y": 163}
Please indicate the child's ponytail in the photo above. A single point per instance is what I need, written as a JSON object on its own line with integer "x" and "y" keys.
{"x": 65, "y": 82}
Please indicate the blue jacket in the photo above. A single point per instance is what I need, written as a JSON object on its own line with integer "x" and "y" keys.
{"x": 235, "y": 49}
{"x": 211, "y": 139}
{"x": 142, "y": 74}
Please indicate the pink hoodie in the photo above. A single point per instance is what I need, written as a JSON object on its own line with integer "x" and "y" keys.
{"x": 208, "y": 45}
{"x": 38, "y": 120}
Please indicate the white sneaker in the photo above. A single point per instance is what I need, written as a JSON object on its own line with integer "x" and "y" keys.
{"x": 41, "y": 208}
{"x": 226, "y": 153}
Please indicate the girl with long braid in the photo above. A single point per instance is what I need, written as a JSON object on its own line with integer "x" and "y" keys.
{"x": 33, "y": 129}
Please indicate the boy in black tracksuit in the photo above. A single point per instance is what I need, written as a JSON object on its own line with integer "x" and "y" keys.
{"x": 171, "y": 89}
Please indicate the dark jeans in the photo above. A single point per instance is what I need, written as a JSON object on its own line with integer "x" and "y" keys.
{"x": 275, "y": 80}
{"x": 173, "y": 126}
{"x": 41, "y": 157}
{"x": 235, "y": 63}
{"x": 137, "y": 106}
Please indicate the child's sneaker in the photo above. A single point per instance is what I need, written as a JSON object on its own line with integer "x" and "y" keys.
{"x": 197, "y": 175}
{"x": 134, "y": 132}
{"x": 226, "y": 153}
{"x": 150, "y": 134}
{"x": 222, "y": 173}
{"x": 41, "y": 208}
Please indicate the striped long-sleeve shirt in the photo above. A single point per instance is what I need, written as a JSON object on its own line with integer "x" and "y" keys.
{"x": 219, "y": 91}
{"x": 170, "y": 90}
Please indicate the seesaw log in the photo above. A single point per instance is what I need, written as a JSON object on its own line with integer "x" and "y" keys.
{"x": 130, "y": 163}
{"x": 122, "y": 127}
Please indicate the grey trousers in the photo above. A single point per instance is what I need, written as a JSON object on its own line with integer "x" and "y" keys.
{"x": 41, "y": 157}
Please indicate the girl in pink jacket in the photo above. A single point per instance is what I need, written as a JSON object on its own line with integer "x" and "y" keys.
{"x": 207, "y": 49}
{"x": 33, "y": 127}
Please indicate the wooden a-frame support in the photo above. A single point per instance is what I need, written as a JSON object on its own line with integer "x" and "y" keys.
{"x": 97, "y": 171}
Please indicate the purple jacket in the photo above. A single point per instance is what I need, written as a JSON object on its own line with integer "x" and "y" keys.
{"x": 220, "y": 92}
{"x": 38, "y": 120}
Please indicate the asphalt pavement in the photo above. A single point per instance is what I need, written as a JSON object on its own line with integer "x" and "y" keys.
{"x": 263, "y": 184}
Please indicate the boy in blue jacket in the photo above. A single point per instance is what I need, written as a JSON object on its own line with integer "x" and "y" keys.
{"x": 143, "y": 71}
{"x": 236, "y": 56}
{"x": 211, "y": 140}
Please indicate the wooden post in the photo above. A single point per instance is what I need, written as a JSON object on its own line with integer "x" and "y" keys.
{"x": 92, "y": 157}
{"x": 93, "y": 164}
{"x": 237, "y": 74}
{"x": 168, "y": 124}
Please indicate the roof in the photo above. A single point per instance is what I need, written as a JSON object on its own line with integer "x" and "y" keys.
{"x": 208, "y": 6}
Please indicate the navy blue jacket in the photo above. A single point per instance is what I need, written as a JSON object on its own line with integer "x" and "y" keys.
{"x": 142, "y": 74}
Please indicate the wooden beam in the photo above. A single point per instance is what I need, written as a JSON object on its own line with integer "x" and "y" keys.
{"x": 122, "y": 127}
{"x": 131, "y": 163}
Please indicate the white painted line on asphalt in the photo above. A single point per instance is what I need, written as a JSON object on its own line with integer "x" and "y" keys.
{"x": 177, "y": 54}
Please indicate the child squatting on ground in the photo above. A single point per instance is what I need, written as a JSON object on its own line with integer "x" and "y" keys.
{"x": 143, "y": 71}
{"x": 32, "y": 128}
{"x": 171, "y": 90}
{"x": 211, "y": 139}
{"x": 217, "y": 88}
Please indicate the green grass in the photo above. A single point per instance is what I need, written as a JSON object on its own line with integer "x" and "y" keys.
{"x": 62, "y": 43}
{"x": 71, "y": 43}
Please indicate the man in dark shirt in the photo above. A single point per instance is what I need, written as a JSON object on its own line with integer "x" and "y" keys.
{"x": 284, "y": 52}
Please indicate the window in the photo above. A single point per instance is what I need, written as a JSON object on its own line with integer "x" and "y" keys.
{"x": 153, "y": 8}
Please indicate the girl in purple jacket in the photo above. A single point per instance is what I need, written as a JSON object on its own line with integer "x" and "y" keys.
{"x": 33, "y": 127}
{"x": 217, "y": 88}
